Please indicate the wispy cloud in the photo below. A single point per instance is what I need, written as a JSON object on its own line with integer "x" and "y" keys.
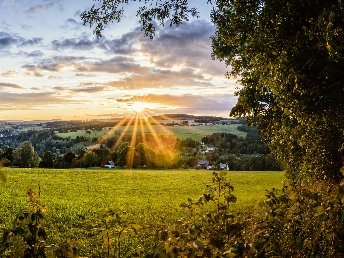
{"x": 162, "y": 79}
{"x": 75, "y": 43}
{"x": 88, "y": 88}
{"x": 46, "y": 4}
{"x": 72, "y": 24}
{"x": 9, "y": 73}
{"x": 114, "y": 65}
{"x": 31, "y": 100}
{"x": 9, "y": 85}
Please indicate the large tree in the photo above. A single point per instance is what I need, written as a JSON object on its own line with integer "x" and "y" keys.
{"x": 25, "y": 156}
{"x": 289, "y": 58}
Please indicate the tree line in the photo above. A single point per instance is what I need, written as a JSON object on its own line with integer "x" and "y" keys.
{"x": 45, "y": 149}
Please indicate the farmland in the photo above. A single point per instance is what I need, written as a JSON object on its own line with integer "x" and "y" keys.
{"x": 182, "y": 132}
{"x": 77, "y": 198}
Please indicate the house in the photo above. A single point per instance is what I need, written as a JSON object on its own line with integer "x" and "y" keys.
{"x": 110, "y": 165}
{"x": 202, "y": 164}
{"x": 210, "y": 149}
{"x": 211, "y": 167}
{"x": 223, "y": 166}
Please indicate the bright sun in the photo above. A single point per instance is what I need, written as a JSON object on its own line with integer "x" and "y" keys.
{"x": 138, "y": 107}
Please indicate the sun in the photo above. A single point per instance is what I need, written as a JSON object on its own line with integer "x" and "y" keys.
{"x": 138, "y": 107}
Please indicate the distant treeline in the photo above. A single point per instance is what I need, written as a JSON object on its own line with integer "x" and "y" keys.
{"x": 146, "y": 151}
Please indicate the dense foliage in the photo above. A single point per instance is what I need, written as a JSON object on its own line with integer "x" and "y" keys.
{"x": 87, "y": 149}
{"x": 290, "y": 57}
{"x": 25, "y": 156}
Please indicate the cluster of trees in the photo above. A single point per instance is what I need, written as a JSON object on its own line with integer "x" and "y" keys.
{"x": 44, "y": 149}
{"x": 232, "y": 144}
{"x": 26, "y": 156}
{"x": 72, "y": 126}
{"x": 240, "y": 153}
{"x": 42, "y": 140}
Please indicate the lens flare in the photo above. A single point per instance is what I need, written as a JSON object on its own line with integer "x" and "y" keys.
{"x": 138, "y": 107}
{"x": 156, "y": 142}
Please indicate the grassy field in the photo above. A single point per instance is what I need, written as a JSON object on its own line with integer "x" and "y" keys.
{"x": 181, "y": 132}
{"x": 76, "y": 198}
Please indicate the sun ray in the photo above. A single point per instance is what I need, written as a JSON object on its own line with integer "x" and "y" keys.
{"x": 160, "y": 146}
{"x": 111, "y": 131}
{"x": 163, "y": 128}
{"x": 118, "y": 142}
{"x": 131, "y": 153}
{"x": 143, "y": 134}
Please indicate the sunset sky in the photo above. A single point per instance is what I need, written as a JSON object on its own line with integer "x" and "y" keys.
{"x": 53, "y": 67}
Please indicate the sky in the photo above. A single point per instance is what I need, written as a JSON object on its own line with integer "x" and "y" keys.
{"x": 53, "y": 67}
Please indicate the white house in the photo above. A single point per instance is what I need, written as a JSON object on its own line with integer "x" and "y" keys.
{"x": 110, "y": 165}
{"x": 223, "y": 166}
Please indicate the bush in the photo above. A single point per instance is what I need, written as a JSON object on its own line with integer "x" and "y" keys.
{"x": 305, "y": 223}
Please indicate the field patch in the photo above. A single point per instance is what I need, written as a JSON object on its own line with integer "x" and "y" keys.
{"x": 181, "y": 132}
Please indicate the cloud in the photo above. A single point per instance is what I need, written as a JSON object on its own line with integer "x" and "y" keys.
{"x": 9, "y": 73}
{"x": 7, "y": 40}
{"x": 124, "y": 45}
{"x": 188, "y": 103}
{"x": 89, "y": 88}
{"x": 9, "y": 85}
{"x": 36, "y": 8}
{"x": 30, "y": 100}
{"x": 188, "y": 44}
{"x": 33, "y": 54}
{"x": 45, "y": 5}
{"x": 114, "y": 65}
{"x": 45, "y": 66}
{"x": 53, "y": 64}
{"x": 75, "y": 43}
{"x": 72, "y": 24}
{"x": 162, "y": 79}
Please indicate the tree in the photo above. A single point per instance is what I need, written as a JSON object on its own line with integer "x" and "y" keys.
{"x": 25, "y": 156}
{"x": 49, "y": 160}
{"x": 68, "y": 159}
{"x": 289, "y": 56}
{"x": 90, "y": 158}
{"x": 6, "y": 155}
{"x": 175, "y": 12}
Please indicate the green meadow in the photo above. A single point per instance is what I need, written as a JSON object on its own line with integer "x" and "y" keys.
{"x": 77, "y": 198}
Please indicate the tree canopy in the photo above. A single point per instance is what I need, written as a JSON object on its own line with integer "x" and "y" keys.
{"x": 289, "y": 58}
{"x": 25, "y": 156}
{"x": 149, "y": 12}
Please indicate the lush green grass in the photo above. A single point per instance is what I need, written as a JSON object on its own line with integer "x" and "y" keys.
{"x": 76, "y": 198}
{"x": 181, "y": 132}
